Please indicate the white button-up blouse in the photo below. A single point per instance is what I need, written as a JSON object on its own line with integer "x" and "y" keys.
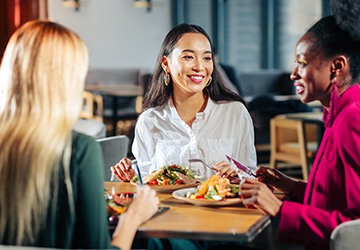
{"x": 163, "y": 138}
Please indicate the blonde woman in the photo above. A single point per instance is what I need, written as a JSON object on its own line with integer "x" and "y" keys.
{"x": 46, "y": 196}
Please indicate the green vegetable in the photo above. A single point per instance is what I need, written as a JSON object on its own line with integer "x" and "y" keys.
{"x": 135, "y": 179}
{"x": 210, "y": 193}
{"x": 235, "y": 189}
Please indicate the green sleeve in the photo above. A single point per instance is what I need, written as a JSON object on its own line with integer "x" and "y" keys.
{"x": 91, "y": 226}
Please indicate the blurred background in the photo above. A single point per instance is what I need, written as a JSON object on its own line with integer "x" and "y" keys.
{"x": 251, "y": 35}
{"x": 254, "y": 42}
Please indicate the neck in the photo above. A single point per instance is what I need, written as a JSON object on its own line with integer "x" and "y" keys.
{"x": 188, "y": 106}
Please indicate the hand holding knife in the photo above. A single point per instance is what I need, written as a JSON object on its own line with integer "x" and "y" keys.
{"x": 241, "y": 166}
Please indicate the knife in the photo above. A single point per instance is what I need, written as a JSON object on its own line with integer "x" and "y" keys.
{"x": 241, "y": 166}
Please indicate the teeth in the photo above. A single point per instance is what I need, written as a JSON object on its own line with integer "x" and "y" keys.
{"x": 196, "y": 77}
{"x": 299, "y": 89}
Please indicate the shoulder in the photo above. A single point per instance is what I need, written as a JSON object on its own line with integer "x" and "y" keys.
{"x": 231, "y": 106}
{"x": 84, "y": 146}
{"x": 153, "y": 113}
{"x": 232, "y": 111}
{"x": 350, "y": 118}
{"x": 81, "y": 140}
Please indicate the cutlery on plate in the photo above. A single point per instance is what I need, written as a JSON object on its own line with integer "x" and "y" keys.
{"x": 233, "y": 179}
{"x": 201, "y": 161}
{"x": 241, "y": 166}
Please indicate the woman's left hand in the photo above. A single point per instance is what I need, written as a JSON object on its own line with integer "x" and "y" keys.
{"x": 257, "y": 194}
{"x": 223, "y": 169}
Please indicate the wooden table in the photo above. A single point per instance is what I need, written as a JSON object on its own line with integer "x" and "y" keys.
{"x": 116, "y": 91}
{"x": 182, "y": 220}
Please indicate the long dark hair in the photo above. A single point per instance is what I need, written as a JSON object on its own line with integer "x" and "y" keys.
{"x": 159, "y": 93}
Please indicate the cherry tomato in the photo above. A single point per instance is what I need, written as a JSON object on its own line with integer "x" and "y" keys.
{"x": 153, "y": 182}
{"x": 178, "y": 182}
{"x": 199, "y": 197}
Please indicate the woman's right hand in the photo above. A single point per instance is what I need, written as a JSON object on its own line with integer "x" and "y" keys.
{"x": 143, "y": 206}
{"x": 275, "y": 179}
{"x": 123, "y": 170}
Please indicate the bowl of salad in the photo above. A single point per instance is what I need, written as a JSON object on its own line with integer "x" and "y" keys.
{"x": 169, "y": 178}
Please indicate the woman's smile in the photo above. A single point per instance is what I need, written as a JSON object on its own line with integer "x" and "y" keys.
{"x": 196, "y": 78}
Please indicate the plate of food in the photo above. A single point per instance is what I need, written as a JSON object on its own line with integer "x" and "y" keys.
{"x": 169, "y": 178}
{"x": 215, "y": 191}
{"x": 117, "y": 204}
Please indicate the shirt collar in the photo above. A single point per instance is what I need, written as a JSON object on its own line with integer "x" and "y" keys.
{"x": 200, "y": 115}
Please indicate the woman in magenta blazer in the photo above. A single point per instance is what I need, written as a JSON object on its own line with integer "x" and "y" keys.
{"x": 327, "y": 69}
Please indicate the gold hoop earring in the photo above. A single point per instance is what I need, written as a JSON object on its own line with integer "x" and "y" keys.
{"x": 167, "y": 79}
{"x": 209, "y": 81}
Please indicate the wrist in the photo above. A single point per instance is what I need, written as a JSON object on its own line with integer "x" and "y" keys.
{"x": 279, "y": 205}
{"x": 131, "y": 216}
{"x": 292, "y": 187}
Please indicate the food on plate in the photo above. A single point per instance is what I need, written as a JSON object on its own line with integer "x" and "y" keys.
{"x": 215, "y": 188}
{"x": 117, "y": 204}
{"x": 169, "y": 175}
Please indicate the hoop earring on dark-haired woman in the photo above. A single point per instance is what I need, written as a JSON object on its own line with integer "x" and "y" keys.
{"x": 209, "y": 81}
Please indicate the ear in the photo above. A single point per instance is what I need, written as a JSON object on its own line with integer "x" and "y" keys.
{"x": 165, "y": 63}
{"x": 338, "y": 65}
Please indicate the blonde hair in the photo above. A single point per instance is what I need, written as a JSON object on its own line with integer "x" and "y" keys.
{"x": 41, "y": 82}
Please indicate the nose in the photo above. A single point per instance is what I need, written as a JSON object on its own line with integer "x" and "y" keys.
{"x": 198, "y": 64}
{"x": 294, "y": 74}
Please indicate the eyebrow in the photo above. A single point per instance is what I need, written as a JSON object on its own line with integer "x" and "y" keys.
{"x": 192, "y": 51}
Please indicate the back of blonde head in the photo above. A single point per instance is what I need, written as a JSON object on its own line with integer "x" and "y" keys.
{"x": 41, "y": 82}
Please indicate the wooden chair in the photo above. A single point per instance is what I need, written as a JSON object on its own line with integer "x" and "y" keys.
{"x": 291, "y": 141}
{"x": 92, "y": 107}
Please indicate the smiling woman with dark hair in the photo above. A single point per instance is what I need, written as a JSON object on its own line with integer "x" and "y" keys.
{"x": 189, "y": 113}
{"x": 327, "y": 69}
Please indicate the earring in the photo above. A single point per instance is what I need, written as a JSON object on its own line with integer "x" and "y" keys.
{"x": 334, "y": 103}
{"x": 167, "y": 79}
{"x": 209, "y": 81}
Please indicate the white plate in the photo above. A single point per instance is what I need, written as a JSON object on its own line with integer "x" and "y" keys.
{"x": 181, "y": 195}
{"x": 169, "y": 188}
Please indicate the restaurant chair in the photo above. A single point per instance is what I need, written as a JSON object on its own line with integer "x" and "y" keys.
{"x": 292, "y": 142}
{"x": 90, "y": 121}
{"x": 114, "y": 148}
{"x": 90, "y": 127}
{"x": 93, "y": 107}
{"x": 345, "y": 236}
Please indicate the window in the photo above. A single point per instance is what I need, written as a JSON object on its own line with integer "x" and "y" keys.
{"x": 252, "y": 34}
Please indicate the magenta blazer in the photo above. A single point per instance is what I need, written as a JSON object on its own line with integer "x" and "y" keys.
{"x": 332, "y": 194}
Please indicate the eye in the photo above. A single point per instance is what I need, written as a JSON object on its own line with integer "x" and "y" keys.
{"x": 208, "y": 58}
{"x": 188, "y": 57}
{"x": 301, "y": 63}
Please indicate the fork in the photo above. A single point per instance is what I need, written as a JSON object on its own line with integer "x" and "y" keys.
{"x": 199, "y": 160}
{"x": 208, "y": 166}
